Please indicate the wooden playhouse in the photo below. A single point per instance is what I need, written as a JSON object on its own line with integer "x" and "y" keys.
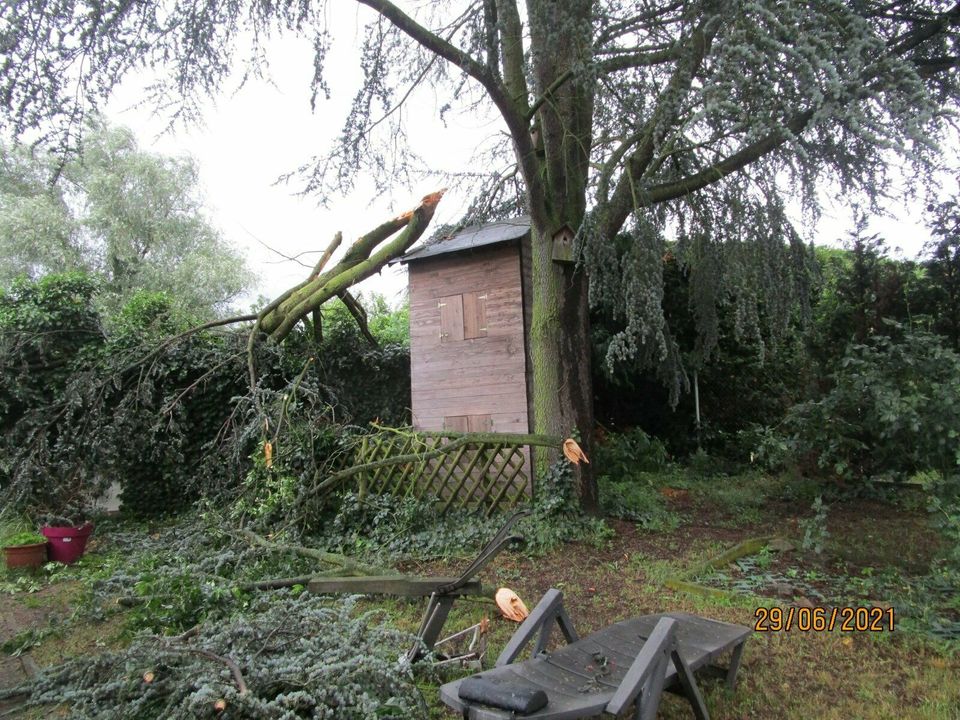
{"x": 470, "y": 373}
{"x": 469, "y": 322}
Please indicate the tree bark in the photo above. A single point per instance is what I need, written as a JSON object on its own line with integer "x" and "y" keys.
{"x": 560, "y": 358}
{"x": 560, "y": 328}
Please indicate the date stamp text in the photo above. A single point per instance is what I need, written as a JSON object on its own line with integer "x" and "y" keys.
{"x": 820, "y": 619}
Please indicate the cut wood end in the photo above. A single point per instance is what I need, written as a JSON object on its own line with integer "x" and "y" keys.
{"x": 511, "y": 606}
{"x": 573, "y": 453}
{"x": 429, "y": 201}
{"x": 148, "y": 677}
{"x": 220, "y": 705}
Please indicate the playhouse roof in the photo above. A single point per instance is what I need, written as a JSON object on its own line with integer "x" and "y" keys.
{"x": 472, "y": 237}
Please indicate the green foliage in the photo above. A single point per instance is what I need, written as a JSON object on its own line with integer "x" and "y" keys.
{"x": 893, "y": 409}
{"x": 407, "y": 527}
{"x": 149, "y": 315}
{"x": 372, "y": 382}
{"x": 44, "y": 327}
{"x": 623, "y": 454}
{"x": 299, "y": 657}
{"x": 131, "y": 217}
{"x": 624, "y": 462}
{"x": 388, "y": 325}
{"x": 862, "y": 293}
{"x": 815, "y": 533}
{"x": 79, "y": 405}
{"x": 177, "y": 574}
{"x": 557, "y": 517}
{"x": 744, "y": 379}
{"x": 637, "y": 500}
{"x": 944, "y": 506}
{"x": 943, "y": 270}
{"x": 307, "y": 448}
{"x": 23, "y": 538}
{"x": 78, "y": 413}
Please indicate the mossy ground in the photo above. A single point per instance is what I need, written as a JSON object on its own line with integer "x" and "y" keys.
{"x": 828, "y": 675}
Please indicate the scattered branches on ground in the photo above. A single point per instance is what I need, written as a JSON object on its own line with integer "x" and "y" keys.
{"x": 283, "y": 657}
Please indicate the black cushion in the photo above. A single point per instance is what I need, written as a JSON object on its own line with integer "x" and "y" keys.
{"x": 519, "y": 698}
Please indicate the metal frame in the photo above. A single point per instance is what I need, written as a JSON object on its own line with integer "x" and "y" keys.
{"x": 443, "y": 596}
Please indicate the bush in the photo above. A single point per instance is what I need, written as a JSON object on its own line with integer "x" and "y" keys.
{"x": 624, "y": 454}
{"x": 637, "y": 500}
{"x": 623, "y": 461}
{"x": 893, "y": 409}
{"x": 408, "y": 527}
{"x": 80, "y": 409}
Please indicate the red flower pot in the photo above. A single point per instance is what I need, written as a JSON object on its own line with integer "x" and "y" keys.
{"x": 66, "y": 544}
{"x": 25, "y": 556}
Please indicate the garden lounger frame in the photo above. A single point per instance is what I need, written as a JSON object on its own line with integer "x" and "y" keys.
{"x": 443, "y": 596}
{"x": 626, "y": 664}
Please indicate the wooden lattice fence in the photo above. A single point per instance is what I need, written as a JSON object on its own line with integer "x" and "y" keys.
{"x": 481, "y": 471}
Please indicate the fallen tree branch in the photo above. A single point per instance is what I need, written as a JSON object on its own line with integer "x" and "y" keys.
{"x": 345, "y": 564}
{"x": 276, "y": 584}
{"x": 362, "y": 260}
{"x": 360, "y": 315}
{"x": 234, "y": 668}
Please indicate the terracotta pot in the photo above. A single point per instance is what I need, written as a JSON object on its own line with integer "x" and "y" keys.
{"x": 67, "y": 543}
{"x": 25, "y": 556}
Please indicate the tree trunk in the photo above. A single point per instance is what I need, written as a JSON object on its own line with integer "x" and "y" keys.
{"x": 557, "y": 196}
{"x": 560, "y": 357}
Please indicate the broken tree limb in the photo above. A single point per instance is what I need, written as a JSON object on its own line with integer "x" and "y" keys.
{"x": 129, "y": 601}
{"x": 364, "y": 258}
{"x": 327, "y": 254}
{"x": 229, "y": 662}
{"x": 360, "y": 315}
{"x": 346, "y": 565}
{"x": 277, "y": 584}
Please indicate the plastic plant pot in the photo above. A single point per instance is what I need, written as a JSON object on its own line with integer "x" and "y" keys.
{"x": 67, "y": 544}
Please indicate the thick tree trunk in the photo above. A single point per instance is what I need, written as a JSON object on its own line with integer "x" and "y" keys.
{"x": 557, "y": 196}
{"x": 560, "y": 357}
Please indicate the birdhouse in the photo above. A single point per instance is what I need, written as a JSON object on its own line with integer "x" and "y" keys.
{"x": 562, "y": 251}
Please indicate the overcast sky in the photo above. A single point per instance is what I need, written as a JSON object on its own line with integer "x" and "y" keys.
{"x": 248, "y": 139}
{"x": 251, "y": 137}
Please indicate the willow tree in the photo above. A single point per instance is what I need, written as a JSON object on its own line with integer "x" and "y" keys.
{"x": 133, "y": 217}
{"x": 691, "y": 120}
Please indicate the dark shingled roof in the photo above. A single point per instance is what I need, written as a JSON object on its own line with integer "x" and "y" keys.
{"x": 471, "y": 237}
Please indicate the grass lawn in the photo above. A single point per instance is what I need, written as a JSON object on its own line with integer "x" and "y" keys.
{"x": 877, "y": 546}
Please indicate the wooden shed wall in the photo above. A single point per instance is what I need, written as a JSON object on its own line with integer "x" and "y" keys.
{"x": 472, "y": 377}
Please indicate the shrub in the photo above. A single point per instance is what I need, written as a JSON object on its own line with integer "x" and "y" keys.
{"x": 893, "y": 409}
{"x": 80, "y": 408}
{"x": 637, "y": 500}
{"x": 405, "y": 526}
{"x": 624, "y": 454}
